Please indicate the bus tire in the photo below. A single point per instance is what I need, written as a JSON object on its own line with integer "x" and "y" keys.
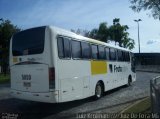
{"x": 129, "y": 80}
{"x": 99, "y": 90}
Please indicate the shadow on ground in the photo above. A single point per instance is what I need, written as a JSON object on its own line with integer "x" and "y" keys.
{"x": 38, "y": 110}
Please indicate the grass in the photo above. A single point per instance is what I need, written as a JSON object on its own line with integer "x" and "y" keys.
{"x": 143, "y": 106}
{"x": 140, "y": 110}
{"x": 4, "y": 78}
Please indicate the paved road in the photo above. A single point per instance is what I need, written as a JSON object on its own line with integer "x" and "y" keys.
{"x": 113, "y": 101}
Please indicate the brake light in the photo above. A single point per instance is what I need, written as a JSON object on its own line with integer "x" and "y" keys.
{"x": 51, "y": 77}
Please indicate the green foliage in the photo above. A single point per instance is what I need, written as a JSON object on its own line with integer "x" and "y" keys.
{"x": 7, "y": 29}
{"x": 101, "y": 33}
{"x": 141, "y": 106}
{"x": 116, "y": 33}
{"x": 152, "y": 5}
{"x": 128, "y": 43}
{"x": 4, "y": 78}
{"x": 93, "y": 34}
{"x": 119, "y": 34}
{"x": 81, "y": 31}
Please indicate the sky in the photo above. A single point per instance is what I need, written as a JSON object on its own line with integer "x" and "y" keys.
{"x": 83, "y": 14}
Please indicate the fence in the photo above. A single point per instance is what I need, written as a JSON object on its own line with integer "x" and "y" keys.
{"x": 155, "y": 94}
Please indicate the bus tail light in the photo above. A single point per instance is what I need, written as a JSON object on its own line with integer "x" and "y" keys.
{"x": 51, "y": 78}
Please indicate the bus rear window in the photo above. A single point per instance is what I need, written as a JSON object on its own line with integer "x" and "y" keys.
{"x": 28, "y": 42}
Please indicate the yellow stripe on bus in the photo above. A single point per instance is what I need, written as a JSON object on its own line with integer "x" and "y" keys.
{"x": 98, "y": 67}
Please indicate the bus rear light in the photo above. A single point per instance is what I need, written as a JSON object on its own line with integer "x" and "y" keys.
{"x": 51, "y": 78}
{"x": 51, "y": 73}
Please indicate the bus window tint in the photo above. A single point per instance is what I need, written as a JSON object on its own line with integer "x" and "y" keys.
{"x": 107, "y": 53}
{"x": 60, "y": 47}
{"x": 67, "y": 53}
{"x": 128, "y": 56}
{"x": 28, "y": 42}
{"x": 63, "y": 47}
{"x": 120, "y": 55}
{"x": 123, "y": 55}
{"x": 94, "y": 52}
{"x": 112, "y": 54}
{"x": 76, "y": 49}
{"x": 86, "y": 52}
{"x": 101, "y": 52}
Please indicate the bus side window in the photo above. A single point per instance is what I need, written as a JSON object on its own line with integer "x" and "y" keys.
{"x": 125, "y": 56}
{"x": 120, "y": 55}
{"x": 94, "y": 51}
{"x": 107, "y": 53}
{"x": 76, "y": 50}
{"x": 67, "y": 52}
{"x": 112, "y": 54}
{"x": 86, "y": 50}
{"x": 60, "y": 47}
{"x": 101, "y": 52}
{"x": 63, "y": 47}
{"x": 128, "y": 57}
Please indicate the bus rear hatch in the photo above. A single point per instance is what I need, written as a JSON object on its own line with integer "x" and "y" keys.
{"x": 30, "y": 71}
{"x": 32, "y": 78}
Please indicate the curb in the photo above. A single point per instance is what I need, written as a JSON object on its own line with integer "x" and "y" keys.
{"x": 148, "y": 71}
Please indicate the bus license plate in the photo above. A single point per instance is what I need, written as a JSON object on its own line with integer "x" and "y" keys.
{"x": 27, "y": 84}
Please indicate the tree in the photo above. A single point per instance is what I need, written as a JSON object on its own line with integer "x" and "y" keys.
{"x": 127, "y": 42}
{"x": 7, "y": 29}
{"x": 81, "y": 32}
{"x": 116, "y": 32}
{"x": 152, "y": 5}
{"x": 93, "y": 33}
{"x": 119, "y": 34}
{"x": 101, "y": 33}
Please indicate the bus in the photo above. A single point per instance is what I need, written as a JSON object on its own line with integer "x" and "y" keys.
{"x": 53, "y": 65}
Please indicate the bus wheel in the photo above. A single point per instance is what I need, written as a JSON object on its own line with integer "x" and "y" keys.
{"x": 98, "y": 90}
{"x": 129, "y": 80}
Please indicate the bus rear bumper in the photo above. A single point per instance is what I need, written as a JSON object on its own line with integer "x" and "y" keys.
{"x": 48, "y": 97}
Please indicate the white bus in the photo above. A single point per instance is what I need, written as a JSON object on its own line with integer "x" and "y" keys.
{"x": 49, "y": 64}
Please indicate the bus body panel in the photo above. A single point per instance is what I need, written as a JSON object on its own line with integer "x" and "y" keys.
{"x": 30, "y": 78}
{"x": 73, "y": 78}
{"x": 48, "y": 97}
{"x": 30, "y": 73}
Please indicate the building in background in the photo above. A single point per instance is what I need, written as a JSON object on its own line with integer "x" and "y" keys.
{"x": 147, "y": 58}
{"x": 149, "y": 62}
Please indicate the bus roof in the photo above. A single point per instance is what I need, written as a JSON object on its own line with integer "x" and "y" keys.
{"x": 64, "y": 32}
